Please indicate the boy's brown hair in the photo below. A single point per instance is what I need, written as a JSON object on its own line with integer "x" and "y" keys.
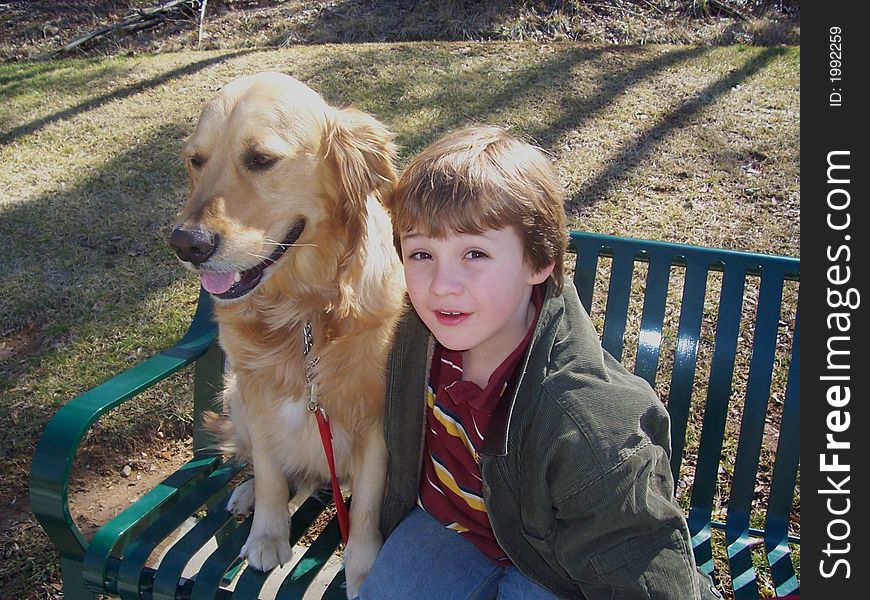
{"x": 480, "y": 178}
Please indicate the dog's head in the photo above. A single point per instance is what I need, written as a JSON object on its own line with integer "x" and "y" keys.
{"x": 278, "y": 179}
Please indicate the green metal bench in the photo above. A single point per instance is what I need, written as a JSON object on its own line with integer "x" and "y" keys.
{"x": 677, "y": 312}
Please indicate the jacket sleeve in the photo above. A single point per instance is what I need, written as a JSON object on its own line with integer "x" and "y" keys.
{"x": 624, "y": 537}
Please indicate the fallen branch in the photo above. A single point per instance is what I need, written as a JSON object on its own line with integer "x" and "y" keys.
{"x": 141, "y": 19}
{"x": 729, "y": 9}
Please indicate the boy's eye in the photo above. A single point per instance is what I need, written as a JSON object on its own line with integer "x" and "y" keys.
{"x": 419, "y": 255}
{"x": 475, "y": 254}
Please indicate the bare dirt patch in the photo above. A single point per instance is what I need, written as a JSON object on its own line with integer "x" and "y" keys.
{"x": 19, "y": 343}
{"x": 104, "y": 486}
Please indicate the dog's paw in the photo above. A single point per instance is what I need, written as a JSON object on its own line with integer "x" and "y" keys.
{"x": 266, "y": 553}
{"x": 358, "y": 560}
{"x": 241, "y": 501}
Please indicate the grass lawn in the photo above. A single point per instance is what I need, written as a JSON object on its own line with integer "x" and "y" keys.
{"x": 679, "y": 143}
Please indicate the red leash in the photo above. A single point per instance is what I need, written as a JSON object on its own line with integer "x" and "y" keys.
{"x": 340, "y": 506}
{"x": 325, "y": 430}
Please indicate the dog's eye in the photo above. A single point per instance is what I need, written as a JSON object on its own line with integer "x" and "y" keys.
{"x": 260, "y": 162}
{"x": 195, "y": 161}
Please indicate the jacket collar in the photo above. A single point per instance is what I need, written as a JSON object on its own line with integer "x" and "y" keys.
{"x": 528, "y": 374}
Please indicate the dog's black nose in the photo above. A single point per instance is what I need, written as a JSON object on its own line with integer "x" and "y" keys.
{"x": 192, "y": 245}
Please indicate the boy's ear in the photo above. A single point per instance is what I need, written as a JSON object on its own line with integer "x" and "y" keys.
{"x": 541, "y": 276}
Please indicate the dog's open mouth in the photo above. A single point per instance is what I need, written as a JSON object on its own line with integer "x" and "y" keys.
{"x": 230, "y": 285}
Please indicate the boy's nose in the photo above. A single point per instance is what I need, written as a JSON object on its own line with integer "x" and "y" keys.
{"x": 445, "y": 281}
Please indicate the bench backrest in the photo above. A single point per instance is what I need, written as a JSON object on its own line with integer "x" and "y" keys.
{"x": 719, "y": 330}
{"x": 716, "y": 332}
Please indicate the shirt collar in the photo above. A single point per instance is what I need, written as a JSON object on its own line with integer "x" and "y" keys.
{"x": 447, "y": 369}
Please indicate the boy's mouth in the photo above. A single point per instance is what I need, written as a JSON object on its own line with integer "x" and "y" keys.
{"x": 450, "y": 317}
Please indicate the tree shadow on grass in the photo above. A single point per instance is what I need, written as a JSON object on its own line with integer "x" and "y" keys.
{"x": 482, "y": 95}
{"x": 83, "y": 252}
{"x": 358, "y": 21}
{"x": 19, "y": 74}
{"x": 458, "y": 98}
{"x": 79, "y": 265}
{"x": 13, "y": 134}
{"x": 88, "y": 231}
{"x": 647, "y": 141}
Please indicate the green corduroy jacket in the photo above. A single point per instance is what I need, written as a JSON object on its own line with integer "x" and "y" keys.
{"x": 575, "y": 464}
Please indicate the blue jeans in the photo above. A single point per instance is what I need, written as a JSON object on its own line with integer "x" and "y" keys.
{"x": 423, "y": 560}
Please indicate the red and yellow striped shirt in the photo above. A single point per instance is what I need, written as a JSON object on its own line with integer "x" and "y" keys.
{"x": 457, "y": 416}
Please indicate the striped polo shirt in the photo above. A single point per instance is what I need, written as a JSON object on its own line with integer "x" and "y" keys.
{"x": 457, "y": 416}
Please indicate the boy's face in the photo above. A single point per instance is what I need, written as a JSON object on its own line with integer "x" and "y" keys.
{"x": 472, "y": 290}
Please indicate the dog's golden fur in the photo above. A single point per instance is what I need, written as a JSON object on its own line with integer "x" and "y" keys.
{"x": 267, "y": 155}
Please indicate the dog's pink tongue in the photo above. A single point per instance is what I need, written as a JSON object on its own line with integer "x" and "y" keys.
{"x": 217, "y": 283}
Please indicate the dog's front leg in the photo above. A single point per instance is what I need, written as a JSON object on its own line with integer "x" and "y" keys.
{"x": 365, "y": 541}
{"x": 268, "y": 544}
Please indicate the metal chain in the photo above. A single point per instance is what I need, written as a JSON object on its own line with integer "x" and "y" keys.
{"x": 307, "y": 338}
{"x": 308, "y": 344}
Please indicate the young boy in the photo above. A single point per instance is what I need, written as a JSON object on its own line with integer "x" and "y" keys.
{"x": 524, "y": 461}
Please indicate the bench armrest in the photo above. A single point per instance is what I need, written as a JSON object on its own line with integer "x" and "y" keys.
{"x": 53, "y": 458}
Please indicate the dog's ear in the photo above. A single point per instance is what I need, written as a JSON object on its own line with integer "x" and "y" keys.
{"x": 361, "y": 153}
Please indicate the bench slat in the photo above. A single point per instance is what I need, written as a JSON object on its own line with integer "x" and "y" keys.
{"x": 715, "y": 414}
{"x": 130, "y": 579}
{"x": 211, "y": 573}
{"x": 586, "y": 266}
{"x": 336, "y": 589}
{"x": 784, "y": 478}
{"x": 217, "y": 523}
{"x": 111, "y": 539}
{"x": 251, "y": 581}
{"x": 652, "y": 322}
{"x": 311, "y": 563}
{"x": 737, "y": 537}
{"x": 685, "y": 357}
{"x": 618, "y": 297}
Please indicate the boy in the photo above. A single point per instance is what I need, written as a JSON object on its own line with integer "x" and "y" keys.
{"x": 524, "y": 461}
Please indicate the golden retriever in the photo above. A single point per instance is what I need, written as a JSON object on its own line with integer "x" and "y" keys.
{"x": 285, "y": 227}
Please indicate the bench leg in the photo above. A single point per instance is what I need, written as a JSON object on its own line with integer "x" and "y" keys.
{"x": 73, "y": 581}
